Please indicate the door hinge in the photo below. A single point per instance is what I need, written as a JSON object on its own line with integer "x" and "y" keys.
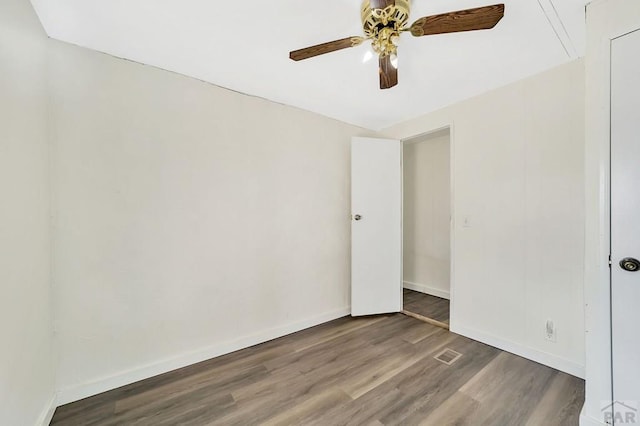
{"x": 610, "y": 261}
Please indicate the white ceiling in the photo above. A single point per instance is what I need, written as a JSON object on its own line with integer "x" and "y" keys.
{"x": 244, "y": 46}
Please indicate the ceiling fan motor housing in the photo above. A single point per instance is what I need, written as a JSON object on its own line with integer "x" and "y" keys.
{"x": 383, "y": 25}
{"x": 395, "y": 15}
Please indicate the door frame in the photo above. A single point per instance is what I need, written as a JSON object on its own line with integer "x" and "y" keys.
{"x": 412, "y": 139}
{"x": 606, "y": 21}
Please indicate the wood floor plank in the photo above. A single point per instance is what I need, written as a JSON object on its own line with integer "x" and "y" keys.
{"x": 221, "y": 382}
{"x": 527, "y": 382}
{"x": 90, "y": 411}
{"x": 459, "y": 409}
{"x": 444, "y": 381}
{"x": 365, "y": 371}
{"x": 309, "y": 410}
{"x": 365, "y": 410}
{"x": 417, "y": 331}
{"x": 426, "y": 305}
{"x": 194, "y": 407}
{"x": 339, "y": 331}
{"x": 389, "y": 364}
{"x": 561, "y": 403}
{"x": 322, "y": 370}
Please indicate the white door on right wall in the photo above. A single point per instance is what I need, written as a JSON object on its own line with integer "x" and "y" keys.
{"x": 625, "y": 221}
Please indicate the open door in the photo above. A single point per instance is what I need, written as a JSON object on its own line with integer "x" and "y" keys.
{"x": 376, "y": 226}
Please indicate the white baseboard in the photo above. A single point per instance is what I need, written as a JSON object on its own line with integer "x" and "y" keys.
{"x": 586, "y": 420}
{"x": 47, "y": 412}
{"x": 541, "y": 357}
{"x": 423, "y": 288}
{"x": 81, "y": 391}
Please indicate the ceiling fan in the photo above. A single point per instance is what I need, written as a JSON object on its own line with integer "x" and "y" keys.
{"x": 384, "y": 20}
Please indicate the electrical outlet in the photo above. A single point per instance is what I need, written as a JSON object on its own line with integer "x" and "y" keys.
{"x": 550, "y": 331}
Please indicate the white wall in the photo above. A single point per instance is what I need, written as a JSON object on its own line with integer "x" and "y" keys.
{"x": 606, "y": 19}
{"x": 189, "y": 220}
{"x": 426, "y": 253}
{"x": 26, "y": 368}
{"x": 518, "y": 176}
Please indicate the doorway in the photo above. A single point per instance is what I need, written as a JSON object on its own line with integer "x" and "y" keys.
{"x": 427, "y": 227}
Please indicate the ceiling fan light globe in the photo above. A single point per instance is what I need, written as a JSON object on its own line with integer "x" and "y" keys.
{"x": 394, "y": 60}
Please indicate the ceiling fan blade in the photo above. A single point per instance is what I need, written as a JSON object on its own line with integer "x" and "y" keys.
{"x": 388, "y": 73}
{"x": 480, "y": 18}
{"x": 321, "y": 49}
{"x": 381, "y": 4}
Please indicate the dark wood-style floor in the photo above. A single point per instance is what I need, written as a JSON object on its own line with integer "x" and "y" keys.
{"x": 366, "y": 371}
{"x": 426, "y": 305}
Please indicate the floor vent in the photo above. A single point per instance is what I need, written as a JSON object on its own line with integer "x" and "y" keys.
{"x": 448, "y": 356}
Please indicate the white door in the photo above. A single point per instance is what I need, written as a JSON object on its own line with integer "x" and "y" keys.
{"x": 625, "y": 217}
{"x": 376, "y": 226}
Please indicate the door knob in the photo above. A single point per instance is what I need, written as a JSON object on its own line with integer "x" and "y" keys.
{"x": 630, "y": 264}
{"x": 357, "y": 217}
